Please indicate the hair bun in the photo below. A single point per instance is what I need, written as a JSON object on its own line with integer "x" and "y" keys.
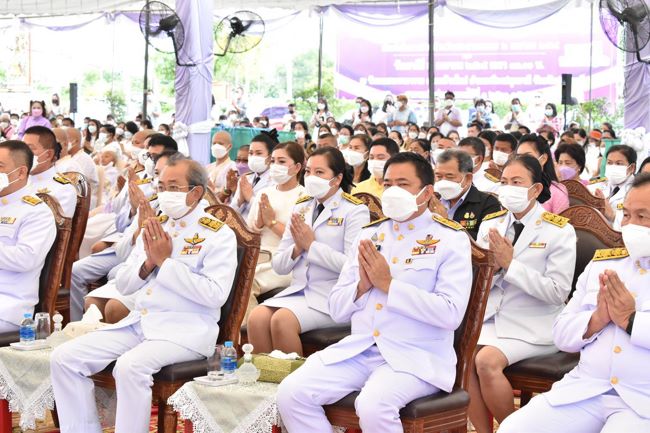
{"x": 272, "y": 134}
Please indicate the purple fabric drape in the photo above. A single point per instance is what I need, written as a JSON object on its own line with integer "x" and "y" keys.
{"x": 637, "y": 94}
{"x": 194, "y": 83}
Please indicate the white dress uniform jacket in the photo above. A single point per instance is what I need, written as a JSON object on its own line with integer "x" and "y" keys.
{"x": 55, "y": 184}
{"x": 413, "y": 325}
{"x": 181, "y": 301}
{"x": 263, "y": 182}
{"x": 609, "y": 359}
{"x": 525, "y": 300}
{"x": 335, "y": 230}
{"x": 613, "y": 196}
{"x": 27, "y": 232}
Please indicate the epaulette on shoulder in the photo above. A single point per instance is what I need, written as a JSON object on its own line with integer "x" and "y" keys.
{"x": 597, "y": 180}
{"x": 554, "y": 219}
{"x": 61, "y": 179}
{"x": 211, "y": 223}
{"x": 447, "y": 222}
{"x": 303, "y": 199}
{"x": 143, "y": 181}
{"x": 489, "y": 177}
{"x": 609, "y": 254}
{"x": 31, "y": 200}
{"x": 153, "y": 197}
{"x": 352, "y": 199}
{"x": 493, "y": 215}
{"x": 375, "y": 222}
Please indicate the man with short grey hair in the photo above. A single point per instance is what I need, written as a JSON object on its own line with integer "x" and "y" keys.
{"x": 465, "y": 204}
{"x": 181, "y": 271}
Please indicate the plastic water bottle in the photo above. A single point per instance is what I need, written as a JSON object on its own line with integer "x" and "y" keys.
{"x": 27, "y": 329}
{"x": 229, "y": 360}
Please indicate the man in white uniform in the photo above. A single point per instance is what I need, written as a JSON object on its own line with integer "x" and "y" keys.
{"x": 44, "y": 176}
{"x": 182, "y": 271}
{"x": 27, "y": 232}
{"x": 405, "y": 292}
{"x": 608, "y": 322}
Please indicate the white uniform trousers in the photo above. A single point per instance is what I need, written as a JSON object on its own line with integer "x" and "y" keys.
{"x": 8, "y": 327}
{"x": 384, "y": 392}
{"x": 138, "y": 359}
{"x": 606, "y": 413}
{"x": 85, "y": 271}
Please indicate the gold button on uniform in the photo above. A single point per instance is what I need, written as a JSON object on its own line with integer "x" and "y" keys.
{"x": 411, "y": 227}
{"x": 376, "y": 333}
{"x": 378, "y": 307}
{"x": 143, "y": 312}
{"x": 183, "y": 224}
{"x": 173, "y": 223}
{"x": 5, "y": 201}
{"x": 395, "y": 260}
{"x": 614, "y": 380}
{"x": 617, "y": 349}
{"x": 400, "y": 237}
{"x": 149, "y": 292}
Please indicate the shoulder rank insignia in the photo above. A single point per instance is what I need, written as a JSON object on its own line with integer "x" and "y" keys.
{"x": 194, "y": 240}
{"x": 597, "y": 180}
{"x": 29, "y": 199}
{"x": 619, "y": 206}
{"x": 610, "y": 253}
{"x": 45, "y": 191}
{"x": 143, "y": 181}
{"x": 352, "y": 199}
{"x": 447, "y": 222}
{"x": 153, "y": 197}
{"x": 375, "y": 222}
{"x": 554, "y": 219}
{"x": 211, "y": 223}
{"x": 493, "y": 215}
{"x": 7, "y": 220}
{"x": 163, "y": 219}
{"x": 303, "y": 199}
{"x": 61, "y": 179}
{"x": 488, "y": 176}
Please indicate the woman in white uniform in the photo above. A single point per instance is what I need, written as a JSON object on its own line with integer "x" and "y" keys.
{"x": 270, "y": 213}
{"x": 316, "y": 243}
{"x": 535, "y": 254}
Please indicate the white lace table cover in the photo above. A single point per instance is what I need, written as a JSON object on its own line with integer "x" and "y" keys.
{"x": 25, "y": 384}
{"x": 230, "y": 408}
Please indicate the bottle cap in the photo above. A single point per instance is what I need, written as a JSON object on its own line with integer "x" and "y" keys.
{"x": 228, "y": 344}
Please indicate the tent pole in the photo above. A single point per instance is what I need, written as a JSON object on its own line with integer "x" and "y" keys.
{"x": 591, "y": 55}
{"x": 320, "y": 53}
{"x": 432, "y": 74}
{"x": 146, "y": 64}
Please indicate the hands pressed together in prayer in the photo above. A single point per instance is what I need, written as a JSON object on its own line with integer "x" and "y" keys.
{"x": 374, "y": 270}
{"x": 614, "y": 304}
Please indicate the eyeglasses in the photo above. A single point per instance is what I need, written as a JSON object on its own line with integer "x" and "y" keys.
{"x": 173, "y": 188}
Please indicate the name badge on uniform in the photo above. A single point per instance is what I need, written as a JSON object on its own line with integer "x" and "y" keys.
{"x": 425, "y": 246}
{"x": 335, "y": 221}
{"x": 619, "y": 206}
{"x": 537, "y": 245}
{"x": 468, "y": 224}
{"x": 190, "y": 250}
{"x": 7, "y": 220}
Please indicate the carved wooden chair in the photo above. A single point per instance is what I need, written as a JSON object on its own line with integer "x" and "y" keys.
{"x": 211, "y": 197}
{"x": 442, "y": 411}
{"x": 373, "y": 203}
{"x": 494, "y": 172}
{"x": 580, "y": 195}
{"x": 172, "y": 377}
{"x": 50, "y": 278}
{"x": 79, "y": 223}
{"x": 537, "y": 374}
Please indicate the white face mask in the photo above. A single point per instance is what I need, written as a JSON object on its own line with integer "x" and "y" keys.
{"x": 128, "y": 135}
{"x": 343, "y": 140}
{"x": 398, "y": 204}
{"x": 257, "y": 164}
{"x": 36, "y": 162}
{"x": 4, "y": 179}
{"x": 353, "y": 157}
{"x": 108, "y": 165}
{"x": 219, "y": 150}
{"x": 119, "y": 131}
{"x": 3, "y": 125}
{"x": 500, "y": 158}
{"x": 173, "y": 204}
{"x": 514, "y": 198}
{"x": 334, "y": 131}
{"x": 449, "y": 103}
{"x": 280, "y": 174}
{"x": 637, "y": 240}
{"x": 435, "y": 154}
{"x": 413, "y": 135}
{"x": 92, "y": 129}
{"x": 317, "y": 186}
{"x": 321, "y": 106}
{"x": 359, "y": 132}
{"x": 616, "y": 174}
{"x": 401, "y": 104}
{"x": 447, "y": 189}
{"x": 300, "y": 133}
{"x": 376, "y": 167}
{"x": 364, "y": 109}
{"x": 422, "y": 135}
{"x": 14, "y": 122}
{"x": 548, "y": 112}
{"x": 102, "y": 137}
{"x": 149, "y": 167}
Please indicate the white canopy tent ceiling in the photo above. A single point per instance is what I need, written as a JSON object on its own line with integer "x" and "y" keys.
{"x": 12, "y": 8}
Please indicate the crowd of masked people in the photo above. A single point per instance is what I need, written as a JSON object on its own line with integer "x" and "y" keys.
{"x": 402, "y": 281}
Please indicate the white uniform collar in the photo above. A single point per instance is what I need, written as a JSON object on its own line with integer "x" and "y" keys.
{"x": 423, "y": 220}
{"x": 46, "y": 175}
{"x": 15, "y": 196}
